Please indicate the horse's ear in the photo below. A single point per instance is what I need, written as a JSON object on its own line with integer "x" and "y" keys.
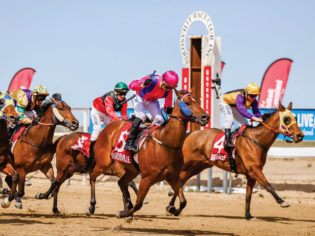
{"x": 281, "y": 107}
{"x": 176, "y": 92}
{"x": 290, "y": 106}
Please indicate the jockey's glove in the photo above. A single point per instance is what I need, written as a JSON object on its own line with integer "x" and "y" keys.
{"x": 147, "y": 82}
{"x": 168, "y": 110}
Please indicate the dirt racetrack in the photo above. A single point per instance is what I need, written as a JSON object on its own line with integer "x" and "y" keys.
{"x": 205, "y": 214}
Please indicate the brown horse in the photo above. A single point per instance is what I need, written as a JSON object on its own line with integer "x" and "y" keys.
{"x": 68, "y": 162}
{"x": 250, "y": 154}
{"x": 160, "y": 157}
{"x": 10, "y": 116}
{"x": 34, "y": 149}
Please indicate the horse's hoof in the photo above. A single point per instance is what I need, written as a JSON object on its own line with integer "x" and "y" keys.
{"x": 38, "y": 196}
{"x": 170, "y": 193}
{"x": 285, "y": 204}
{"x": 18, "y": 205}
{"x": 118, "y": 214}
{"x": 56, "y": 211}
{"x": 4, "y": 191}
{"x": 128, "y": 219}
{"x": 87, "y": 212}
{"x": 5, "y": 202}
{"x": 145, "y": 201}
{"x": 171, "y": 210}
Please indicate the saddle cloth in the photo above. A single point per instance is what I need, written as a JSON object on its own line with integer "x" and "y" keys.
{"x": 83, "y": 144}
{"x": 119, "y": 153}
{"x": 218, "y": 153}
{"x": 19, "y": 131}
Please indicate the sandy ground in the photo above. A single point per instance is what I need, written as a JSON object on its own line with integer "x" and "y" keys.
{"x": 205, "y": 214}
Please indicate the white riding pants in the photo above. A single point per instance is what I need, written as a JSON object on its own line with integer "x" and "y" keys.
{"x": 231, "y": 113}
{"x": 141, "y": 105}
{"x": 97, "y": 119}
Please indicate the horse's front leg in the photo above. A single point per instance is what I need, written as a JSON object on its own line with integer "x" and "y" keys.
{"x": 144, "y": 187}
{"x": 21, "y": 186}
{"x": 48, "y": 171}
{"x": 258, "y": 175}
{"x": 9, "y": 171}
{"x": 249, "y": 190}
{"x": 177, "y": 186}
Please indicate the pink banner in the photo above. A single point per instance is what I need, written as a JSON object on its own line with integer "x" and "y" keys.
{"x": 22, "y": 79}
{"x": 274, "y": 83}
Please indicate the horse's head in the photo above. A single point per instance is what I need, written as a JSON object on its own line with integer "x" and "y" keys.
{"x": 7, "y": 109}
{"x": 63, "y": 113}
{"x": 288, "y": 123}
{"x": 189, "y": 109}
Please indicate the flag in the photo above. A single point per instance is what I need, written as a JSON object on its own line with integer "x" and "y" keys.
{"x": 274, "y": 83}
{"x": 22, "y": 79}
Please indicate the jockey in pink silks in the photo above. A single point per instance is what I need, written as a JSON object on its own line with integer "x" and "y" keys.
{"x": 149, "y": 89}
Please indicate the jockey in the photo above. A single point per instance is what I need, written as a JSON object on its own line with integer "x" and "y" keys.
{"x": 27, "y": 101}
{"x": 149, "y": 89}
{"x": 104, "y": 108}
{"x": 234, "y": 104}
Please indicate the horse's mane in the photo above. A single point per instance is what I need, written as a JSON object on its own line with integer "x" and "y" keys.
{"x": 183, "y": 92}
{"x": 41, "y": 111}
{"x": 266, "y": 116}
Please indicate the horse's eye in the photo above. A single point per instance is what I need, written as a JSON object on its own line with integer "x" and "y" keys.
{"x": 1, "y": 102}
{"x": 187, "y": 103}
{"x": 287, "y": 120}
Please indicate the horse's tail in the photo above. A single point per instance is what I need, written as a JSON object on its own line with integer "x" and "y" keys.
{"x": 56, "y": 143}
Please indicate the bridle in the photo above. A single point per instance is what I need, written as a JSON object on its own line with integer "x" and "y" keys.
{"x": 283, "y": 128}
{"x": 56, "y": 115}
{"x": 185, "y": 110}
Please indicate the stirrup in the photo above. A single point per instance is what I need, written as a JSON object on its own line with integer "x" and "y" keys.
{"x": 131, "y": 148}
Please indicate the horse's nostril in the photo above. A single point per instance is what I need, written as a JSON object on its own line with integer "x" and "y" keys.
{"x": 76, "y": 123}
{"x": 205, "y": 117}
{"x": 300, "y": 137}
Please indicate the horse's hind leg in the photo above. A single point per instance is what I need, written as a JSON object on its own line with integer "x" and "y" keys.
{"x": 257, "y": 174}
{"x": 93, "y": 175}
{"x": 9, "y": 171}
{"x": 123, "y": 183}
{"x": 249, "y": 189}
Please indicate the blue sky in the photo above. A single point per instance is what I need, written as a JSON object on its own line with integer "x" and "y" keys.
{"x": 83, "y": 48}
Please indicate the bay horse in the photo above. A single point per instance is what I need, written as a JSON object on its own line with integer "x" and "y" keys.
{"x": 8, "y": 116}
{"x": 159, "y": 158}
{"x": 34, "y": 149}
{"x": 68, "y": 162}
{"x": 250, "y": 152}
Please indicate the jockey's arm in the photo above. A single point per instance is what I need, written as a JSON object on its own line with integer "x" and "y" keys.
{"x": 22, "y": 117}
{"x": 109, "y": 107}
{"x": 124, "y": 111}
{"x": 168, "y": 99}
{"x": 241, "y": 107}
{"x": 255, "y": 109}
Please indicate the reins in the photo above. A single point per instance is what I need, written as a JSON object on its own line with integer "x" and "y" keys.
{"x": 275, "y": 130}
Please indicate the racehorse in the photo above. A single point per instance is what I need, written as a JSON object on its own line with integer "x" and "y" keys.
{"x": 68, "y": 161}
{"x": 10, "y": 116}
{"x": 34, "y": 149}
{"x": 159, "y": 158}
{"x": 251, "y": 149}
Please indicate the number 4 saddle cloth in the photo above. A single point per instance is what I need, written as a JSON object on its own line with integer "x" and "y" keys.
{"x": 218, "y": 153}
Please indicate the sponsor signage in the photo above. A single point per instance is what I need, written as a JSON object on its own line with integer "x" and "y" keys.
{"x": 305, "y": 120}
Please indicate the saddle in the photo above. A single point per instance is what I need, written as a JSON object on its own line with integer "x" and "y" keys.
{"x": 122, "y": 155}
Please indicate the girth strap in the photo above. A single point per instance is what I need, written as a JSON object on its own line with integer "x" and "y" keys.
{"x": 255, "y": 142}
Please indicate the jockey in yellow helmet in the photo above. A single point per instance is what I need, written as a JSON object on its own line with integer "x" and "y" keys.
{"x": 234, "y": 105}
{"x": 27, "y": 101}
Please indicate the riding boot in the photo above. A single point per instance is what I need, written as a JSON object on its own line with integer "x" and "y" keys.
{"x": 228, "y": 140}
{"x": 130, "y": 143}
{"x": 91, "y": 156}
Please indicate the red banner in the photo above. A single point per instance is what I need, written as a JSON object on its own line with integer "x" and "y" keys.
{"x": 207, "y": 92}
{"x": 22, "y": 79}
{"x": 222, "y": 66}
{"x": 274, "y": 83}
{"x": 185, "y": 79}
